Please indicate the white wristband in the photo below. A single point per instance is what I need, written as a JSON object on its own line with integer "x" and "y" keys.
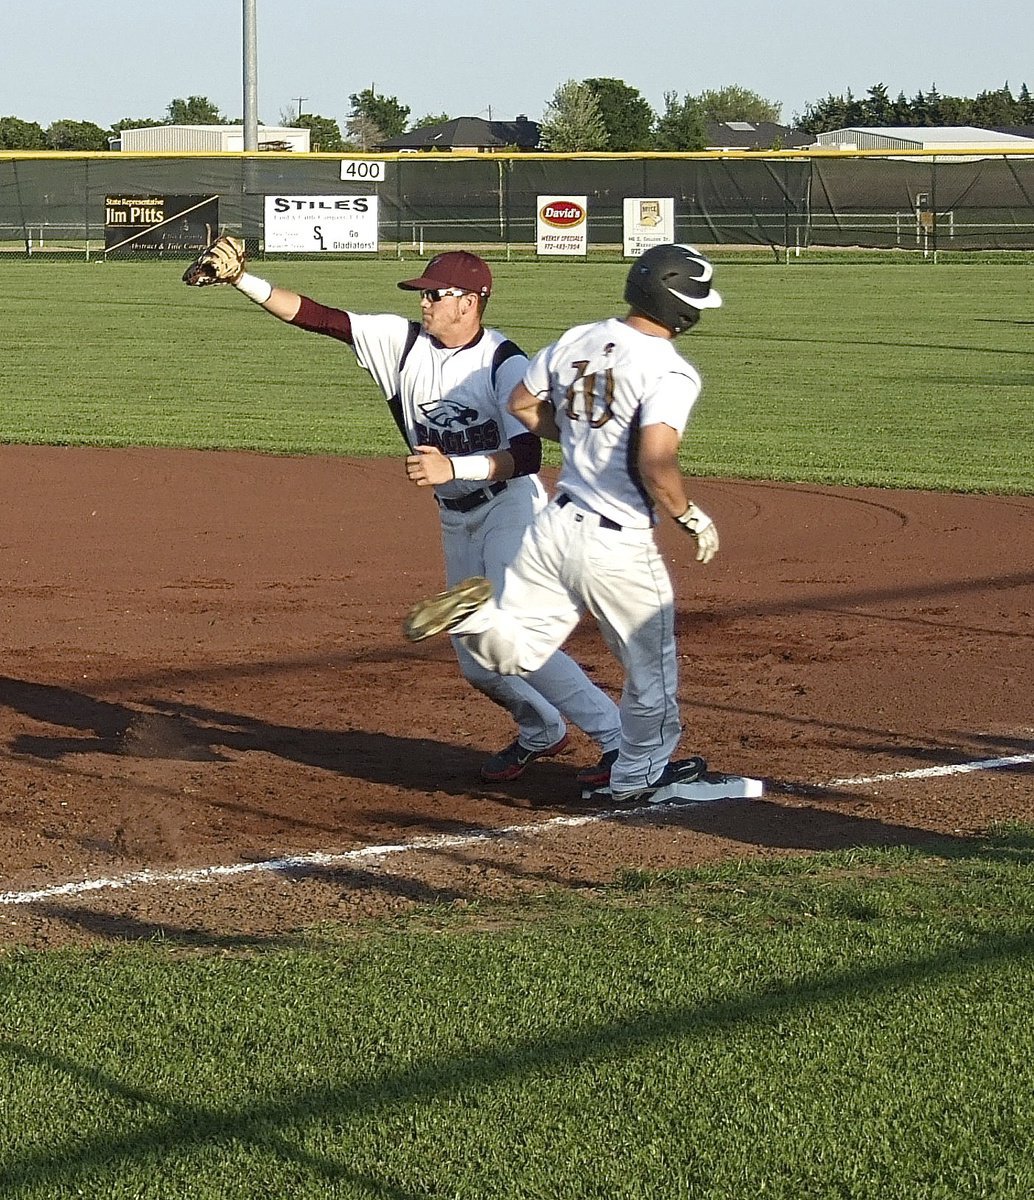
{"x": 472, "y": 466}
{"x": 254, "y": 288}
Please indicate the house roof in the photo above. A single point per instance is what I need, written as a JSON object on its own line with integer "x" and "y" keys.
{"x": 468, "y": 133}
{"x": 751, "y": 135}
{"x": 1024, "y": 131}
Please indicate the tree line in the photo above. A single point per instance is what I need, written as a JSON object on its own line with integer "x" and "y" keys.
{"x": 598, "y": 114}
{"x": 993, "y": 109}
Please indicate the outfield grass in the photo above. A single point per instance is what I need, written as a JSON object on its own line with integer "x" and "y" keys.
{"x": 881, "y": 374}
{"x": 848, "y": 1025}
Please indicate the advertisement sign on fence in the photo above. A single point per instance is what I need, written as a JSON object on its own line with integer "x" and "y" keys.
{"x": 561, "y": 225}
{"x": 310, "y": 224}
{"x": 648, "y": 223}
{"x": 144, "y": 224}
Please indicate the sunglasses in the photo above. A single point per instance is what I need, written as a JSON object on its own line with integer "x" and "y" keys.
{"x": 436, "y": 294}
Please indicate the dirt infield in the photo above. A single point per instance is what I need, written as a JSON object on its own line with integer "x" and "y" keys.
{"x": 203, "y": 667}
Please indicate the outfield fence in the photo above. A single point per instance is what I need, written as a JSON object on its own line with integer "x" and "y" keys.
{"x": 791, "y": 204}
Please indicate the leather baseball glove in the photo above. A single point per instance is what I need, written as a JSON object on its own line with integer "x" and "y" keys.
{"x": 221, "y": 262}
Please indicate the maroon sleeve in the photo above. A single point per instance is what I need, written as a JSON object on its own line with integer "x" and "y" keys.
{"x": 526, "y": 449}
{"x": 318, "y": 318}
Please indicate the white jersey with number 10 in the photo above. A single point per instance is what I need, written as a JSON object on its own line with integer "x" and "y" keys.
{"x": 606, "y": 381}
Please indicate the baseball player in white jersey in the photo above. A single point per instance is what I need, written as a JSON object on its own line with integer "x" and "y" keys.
{"x": 446, "y": 379}
{"x": 617, "y": 396}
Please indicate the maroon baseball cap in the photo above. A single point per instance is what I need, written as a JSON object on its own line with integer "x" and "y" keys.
{"x": 454, "y": 269}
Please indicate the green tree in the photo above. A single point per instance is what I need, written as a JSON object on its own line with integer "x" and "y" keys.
{"x": 915, "y": 111}
{"x": 823, "y": 115}
{"x": 135, "y": 123}
{"x": 998, "y": 107}
{"x": 572, "y": 120}
{"x": 932, "y": 106}
{"x": 626, "y": 115}
{"x": 430, "y": 119}
{"x": 878, "y": 109}
{"x": 681, "y": 125}
{"x": 195, "y": 110}
{"x": 16, "y": 134}
{"x": 902, "y": 111}
{"x": 374, "y": 118}
{"x": 732, "y": 103}
{"x": 954, "y": 110}
{"x": 76, "y": 135}
{"x": 324, "y": 132}
{"x": 835, "y": 112}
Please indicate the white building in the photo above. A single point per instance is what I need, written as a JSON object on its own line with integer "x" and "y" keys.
{"x": 947, "y": 138}
{"x": 158, "y": 139}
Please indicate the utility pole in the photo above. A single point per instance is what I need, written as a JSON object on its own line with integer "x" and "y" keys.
{"x": 300, "y": 100}
{"x": 250, "y": 77}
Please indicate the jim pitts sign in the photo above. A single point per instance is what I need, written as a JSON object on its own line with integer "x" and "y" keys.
{"x": 311, "y": 224}
{"x": 145, "y": 224}
{"x": 561, "y": 225}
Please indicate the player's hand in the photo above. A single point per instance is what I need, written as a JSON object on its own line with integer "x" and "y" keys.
{"x": 701, "y": 528}
{"x": 427, "y": 466}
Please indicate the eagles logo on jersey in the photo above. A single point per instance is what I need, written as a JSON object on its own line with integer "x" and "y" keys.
{"x": 448, "y": 414}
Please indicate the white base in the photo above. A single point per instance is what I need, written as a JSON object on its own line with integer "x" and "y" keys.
{"x": 712, "y": 785}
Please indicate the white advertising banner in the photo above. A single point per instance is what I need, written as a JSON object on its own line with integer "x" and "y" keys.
{"x": 307, "y": 224}
{"x": 561, "y": 226}
{"x": 648, "y": 223}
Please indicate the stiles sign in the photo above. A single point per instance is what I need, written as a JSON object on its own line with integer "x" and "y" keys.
{"x": 307, "y": 224}
{"x": 144, "y": 224}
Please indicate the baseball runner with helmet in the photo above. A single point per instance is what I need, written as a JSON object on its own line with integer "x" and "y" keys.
{"x": 446, "y": 379}
{"x": 617, "y": 397}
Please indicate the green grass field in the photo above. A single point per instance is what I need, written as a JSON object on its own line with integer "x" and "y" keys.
{"x": 853, "y": 1027}
{"x": 888, "y": 375}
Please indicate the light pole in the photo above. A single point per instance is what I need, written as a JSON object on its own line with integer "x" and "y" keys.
{"x": 250, "y": 77}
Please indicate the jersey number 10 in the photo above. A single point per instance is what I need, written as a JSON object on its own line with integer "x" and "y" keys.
{"x": 590, "y": 397}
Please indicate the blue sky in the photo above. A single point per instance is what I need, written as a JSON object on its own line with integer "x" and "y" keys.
{"x": 107, "y": 59}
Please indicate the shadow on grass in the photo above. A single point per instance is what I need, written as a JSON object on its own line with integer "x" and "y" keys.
{"x": 121, "y": 927}
{"x": 178, "y": 1128}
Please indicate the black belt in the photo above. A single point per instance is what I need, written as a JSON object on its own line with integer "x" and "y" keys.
{"x": 473, "y": 500}
{"x": 605, "y": 522}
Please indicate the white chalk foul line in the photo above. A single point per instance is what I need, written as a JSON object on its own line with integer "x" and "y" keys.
{"x": 984, "y": 764}
{"x": 301, "y": 862}
{"x": 296, "y": 862}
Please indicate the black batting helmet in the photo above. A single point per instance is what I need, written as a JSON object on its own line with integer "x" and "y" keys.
{"x": 672, "y": 284}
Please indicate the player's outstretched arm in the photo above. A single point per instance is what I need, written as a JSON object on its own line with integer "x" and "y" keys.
{"x": 279, "y": 302}
{"x": 223, "y": 262}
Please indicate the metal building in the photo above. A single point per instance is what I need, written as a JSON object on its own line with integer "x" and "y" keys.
{"x": 921, "y": 137}
{"x": 163, "y": 139}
